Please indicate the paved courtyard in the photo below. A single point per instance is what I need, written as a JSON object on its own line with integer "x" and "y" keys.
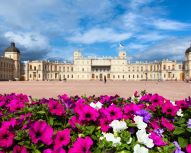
{"x": 39, "y": 89}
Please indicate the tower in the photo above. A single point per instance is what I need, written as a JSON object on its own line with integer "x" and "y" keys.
{"x": 77, "y": 54}
{"x": 14, "y": 53}
{"x": 188, "y": 63}
{"x": 122, "y": 54}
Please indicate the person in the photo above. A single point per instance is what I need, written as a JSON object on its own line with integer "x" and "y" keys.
{"x": 105, "y": 79}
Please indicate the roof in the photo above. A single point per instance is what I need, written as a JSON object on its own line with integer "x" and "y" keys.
{"x": 12, "y": 48}
{"x": 188, "y": 50}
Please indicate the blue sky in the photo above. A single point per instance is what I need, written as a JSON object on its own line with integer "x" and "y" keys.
{"x": 53, "y": 29}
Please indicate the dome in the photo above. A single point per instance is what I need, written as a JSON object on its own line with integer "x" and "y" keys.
{"x": 188, "y": 50}
{"x": 12, "y": 48}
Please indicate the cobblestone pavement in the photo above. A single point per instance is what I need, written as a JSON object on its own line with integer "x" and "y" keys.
{"x": 39, "y": 89}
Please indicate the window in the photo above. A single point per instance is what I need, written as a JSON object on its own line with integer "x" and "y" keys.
{"x": 164, "y": 67}
{"x": 173, "y": 67}
{"x": 164, "y": 76}
{"x": 39, "y": 76}
{"x": 180, "y": 66}
{"x": 72, "y": 69}
{"x": 35, "y": 68}
{"x": 129, "y": 76}
{"x": 141, "y": 68}
{"x": 30, "y": 67}
{"x": 82, "y": 69}
{"x": 30, "y": 76}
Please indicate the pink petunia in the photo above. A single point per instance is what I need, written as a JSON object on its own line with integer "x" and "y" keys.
{"x": 62, "y": 139}
{"x": 81, "y": 145}
{"x": 6, "y": 138}
{"x": 19, "y": 149}
{"x": 169, "y": 109}
{"x": 87, "y": 113}
{"x": 113, "y": 113}
{"x": 9, "y": 124}
{"x": 104, "y": 123}
{"x": 73, "y": 121}
{"x": 55, "y": 107}
{"x": 15, "y": 105}
{"x": 41, "y": 131}
{"x": 130, "y": 109}
{"x": 157, "y": 100}
{"x": 60, "y": 150}
{"x": 167, "y": 124}
{"x": 188, "y": 148}
{"x": 158, "y": 141}
{"x": 182, "y": 104}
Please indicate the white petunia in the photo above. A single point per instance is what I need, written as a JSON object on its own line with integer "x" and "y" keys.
{"x": 118, "y": 125}
{"x": 140, "y": 149}
{"x": 143, "y": 138}
{"x": 139, "y": 122}
{"x": 97, "y": 105}
{"x": 179, "y": 113}
{"x": 173, "y": 103}
{"x": 112, "y": 138}
{"x": 130, "y": 140}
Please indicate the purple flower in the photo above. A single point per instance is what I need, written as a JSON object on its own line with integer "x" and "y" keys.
{"x": 178, "y": 148}
{"x": 145, "y": 114}
{"x": 159, "y": 132}
{"x": 189, "y": 123}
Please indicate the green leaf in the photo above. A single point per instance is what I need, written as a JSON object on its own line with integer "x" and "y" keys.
{"x": 178, "y": 131}
{"x": 41, "y": 112}
{"x": 37, "y": 151}
{"x": 51, "y": 120}
{"x": 182, "y": 142}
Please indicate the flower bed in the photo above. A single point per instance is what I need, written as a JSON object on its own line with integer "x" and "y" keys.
{"x": 106, "y": 124}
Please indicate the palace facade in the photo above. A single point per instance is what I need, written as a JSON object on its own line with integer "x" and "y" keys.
{"x": 96, "y": 68}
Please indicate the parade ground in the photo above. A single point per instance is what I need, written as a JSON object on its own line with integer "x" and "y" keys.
{"x": 38, "y": 89}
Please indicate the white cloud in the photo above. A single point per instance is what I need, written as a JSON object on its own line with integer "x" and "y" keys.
{"x": 134, "y": 4}
{"x": 151, "y": 36}
{"x": 32, "y": 41}
{"x": 173, "y": 49}
{"x": 166, "y": 24}
{"x": 96, "y": 35}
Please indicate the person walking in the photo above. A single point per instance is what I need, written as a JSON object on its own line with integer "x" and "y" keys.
{"x": 105, "y": 80}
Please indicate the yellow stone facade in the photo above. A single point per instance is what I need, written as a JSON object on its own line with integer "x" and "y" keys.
{"x": 96, "y": 68}
{"x": 6, "y": 69}
{"x": 92, "y": 68}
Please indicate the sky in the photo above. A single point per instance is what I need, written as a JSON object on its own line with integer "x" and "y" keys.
{"x": 52, "y": 29}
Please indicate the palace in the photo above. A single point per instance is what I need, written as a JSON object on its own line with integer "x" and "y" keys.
{"x": 92, "y": 68}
